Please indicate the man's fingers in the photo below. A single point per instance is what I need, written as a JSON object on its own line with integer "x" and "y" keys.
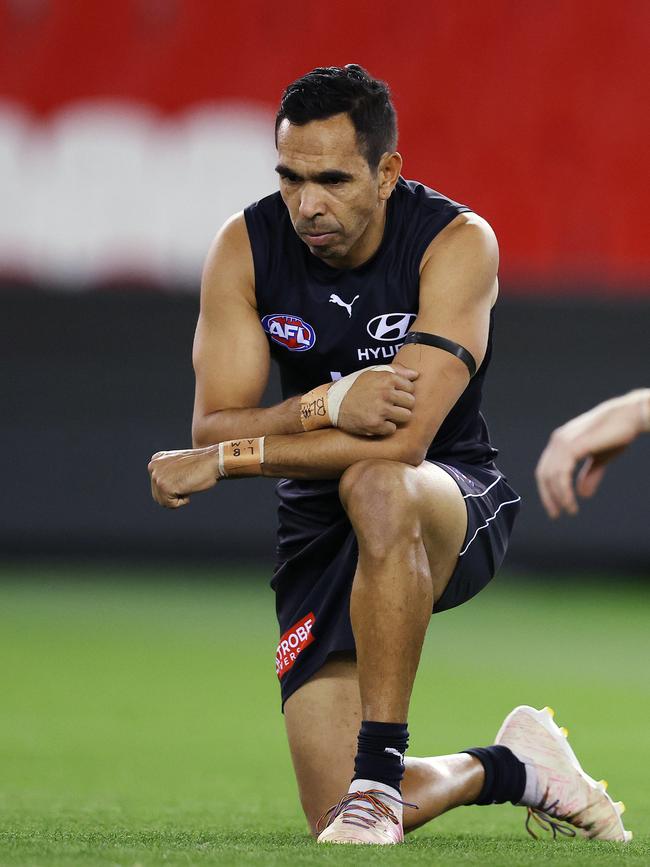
{"x": 154, "y": 493}
{"x": 165, "y": 498}
{"x": 592, "y": 471}
{"x": 554, "y": 474}
{"x": 589, "y": 478}
{"x": 169, "y": 499}
{"x": 545, "y": 494}
{"x": 546, "y": 474}
{"x": 175, "y": 501}
{"x": 407, "y": 372}
{"x": 386, "y": 429}
{"x": 546, "y": 497}
{"x": 400, "y": 383}
{"x": 399, "y": 415}
{"x": 403, "y": 398}
{"x": 561, "y": 484}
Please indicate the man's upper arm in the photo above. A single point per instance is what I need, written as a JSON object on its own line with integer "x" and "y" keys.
{"x": 458, "y": 287}
{"x": 231, "y": 355}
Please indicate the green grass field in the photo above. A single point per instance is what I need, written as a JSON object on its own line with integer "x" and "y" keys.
{"x": 140, "y": 723}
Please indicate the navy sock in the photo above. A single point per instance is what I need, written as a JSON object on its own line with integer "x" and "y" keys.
{"x": 505, "y": 775}
{"x": 380, "y": 754}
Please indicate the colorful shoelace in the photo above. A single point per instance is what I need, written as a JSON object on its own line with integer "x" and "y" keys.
{"x": 359, "y": 814}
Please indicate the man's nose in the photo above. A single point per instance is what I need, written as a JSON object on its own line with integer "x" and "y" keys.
{"x": 311, "y": 202}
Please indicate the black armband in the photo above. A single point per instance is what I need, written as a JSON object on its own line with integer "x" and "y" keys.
{"x": 442, "y": 343}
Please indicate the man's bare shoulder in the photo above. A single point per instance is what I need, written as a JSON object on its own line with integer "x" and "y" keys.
{"x": 229, "y": 263}
{"x": 230, "y": 241}
{"x": 468, "y": 234}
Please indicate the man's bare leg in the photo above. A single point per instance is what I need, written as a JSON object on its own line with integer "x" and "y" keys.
{"x": 410, "y": 525}
{"x": 323, "y": 745}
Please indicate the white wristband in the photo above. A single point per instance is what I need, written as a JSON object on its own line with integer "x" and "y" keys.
{"x": 340, "y": 388}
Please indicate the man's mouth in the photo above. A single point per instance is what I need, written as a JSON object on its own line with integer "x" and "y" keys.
{"x": 317, "y": 239}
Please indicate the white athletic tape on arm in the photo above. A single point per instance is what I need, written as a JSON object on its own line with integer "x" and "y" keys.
{"x": 243, "y": 457}
{"x": 313, "y": 408}
{"x": 340, "y": 388}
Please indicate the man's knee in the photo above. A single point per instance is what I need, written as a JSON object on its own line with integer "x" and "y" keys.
{"x": 371, "y": 482}
{"x": 380, "y": 498}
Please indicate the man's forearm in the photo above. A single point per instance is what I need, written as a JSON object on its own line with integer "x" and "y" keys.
{"x": 383, "y": 399}
{"x": 323, "y": 454}
{"x": 226, "y": 424}
{"x": 326, "y": 454}
{"x": 611, "y": 424}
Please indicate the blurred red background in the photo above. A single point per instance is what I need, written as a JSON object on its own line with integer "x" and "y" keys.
{"x": 535, "y": 114}
{"x": 130, "y": 129}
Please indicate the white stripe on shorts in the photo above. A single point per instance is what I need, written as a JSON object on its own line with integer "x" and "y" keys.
{"x": 489, "y": 487}
{"x": 483, "y": 526}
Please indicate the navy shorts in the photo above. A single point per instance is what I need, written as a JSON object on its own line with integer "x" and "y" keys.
{"x": 317, "y": 559}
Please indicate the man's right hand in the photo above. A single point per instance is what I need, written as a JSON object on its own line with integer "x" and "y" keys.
{"x": 596, "y": 436}
{"x": 378, "y": 402}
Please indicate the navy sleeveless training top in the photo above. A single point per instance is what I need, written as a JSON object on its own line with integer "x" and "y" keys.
{"x": 324, "y": 322}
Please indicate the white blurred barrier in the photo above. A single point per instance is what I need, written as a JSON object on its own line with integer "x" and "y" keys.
{"x": 105, "y": 190}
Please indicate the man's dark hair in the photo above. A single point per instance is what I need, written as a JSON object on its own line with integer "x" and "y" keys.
{"x": 331, "y": 90}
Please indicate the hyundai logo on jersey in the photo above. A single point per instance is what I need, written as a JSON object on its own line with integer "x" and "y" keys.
{"x": 390, "y": 326}
{"x": 289, "y": 331}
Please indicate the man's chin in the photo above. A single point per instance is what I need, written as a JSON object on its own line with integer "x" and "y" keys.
{"x": 325, "y": 252}
{"x": 333, "y": 250}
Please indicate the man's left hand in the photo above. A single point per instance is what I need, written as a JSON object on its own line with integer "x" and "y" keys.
{"x": 175, "y": 475}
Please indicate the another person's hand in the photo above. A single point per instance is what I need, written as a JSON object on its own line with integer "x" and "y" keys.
{"x": 596, "y": 436}
{"x": 378, "y": 402}
{"x": 175, "y": 475}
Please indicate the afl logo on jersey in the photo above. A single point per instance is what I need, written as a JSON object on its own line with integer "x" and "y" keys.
{"x": 289, "y": 331}
{"x": 390, "y": 326}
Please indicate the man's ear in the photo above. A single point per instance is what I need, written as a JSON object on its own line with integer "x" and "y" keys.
{"x": 388, "y": 171}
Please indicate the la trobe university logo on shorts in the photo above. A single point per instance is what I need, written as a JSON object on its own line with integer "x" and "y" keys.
{"x": 292, "y": 643}
{"x": 289, "y": 331}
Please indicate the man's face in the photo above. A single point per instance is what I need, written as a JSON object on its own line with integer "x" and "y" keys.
{"x": 328, "y": 187}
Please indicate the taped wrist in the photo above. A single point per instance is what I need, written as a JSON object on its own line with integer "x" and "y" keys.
{"x": 239, "y": 458}
{"x": 320, "y": 407}
{"x": 314, "y": 408}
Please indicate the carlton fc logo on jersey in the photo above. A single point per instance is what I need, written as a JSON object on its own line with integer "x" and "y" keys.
{"x": 289, "y": 331}
{"x": 390, "y": 326}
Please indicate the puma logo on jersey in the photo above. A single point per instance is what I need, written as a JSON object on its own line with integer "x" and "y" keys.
{"x": 334, "y": 299}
